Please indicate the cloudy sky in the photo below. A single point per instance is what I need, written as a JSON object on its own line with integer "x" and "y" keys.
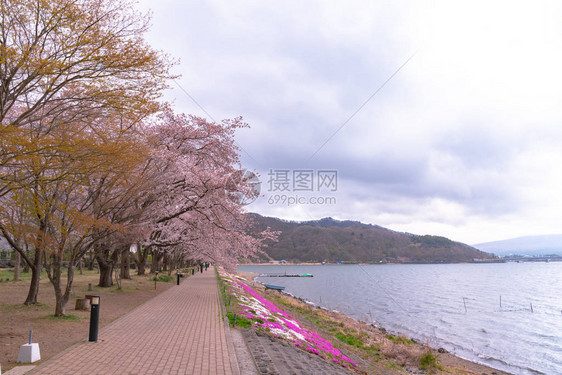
{"x": 440, "y": 117}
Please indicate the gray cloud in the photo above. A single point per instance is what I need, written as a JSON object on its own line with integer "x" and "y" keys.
{"x": 464, "y": 141}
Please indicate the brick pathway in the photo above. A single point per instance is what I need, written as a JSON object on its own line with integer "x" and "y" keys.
{"x": 180, "y": 331}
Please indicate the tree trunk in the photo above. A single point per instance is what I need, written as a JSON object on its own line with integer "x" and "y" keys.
{"x": 91, "y": 262}
{"x": 125, "y": 260}
{"x": 59, "y": 304}
{"x": 17, "y": 266}
{"x": 106, "y": 273}
{"x": 61, "y": 299}
{"x": 141, "y": 266}
{"x": 106, "y": 261}
{"x": 166, "y": 259}
{"x": 55, "y": 280}
{"x": 69, "y": 281}
{"x": 35, "y": 278}
{"x": 140, "y": 258}
{"x": 36, "y": 266}
{"x": 172, "y": 263}
{"x": 53, "y": 269}
{"x": 155, "y": 265}
{"x": 118, "y": 279}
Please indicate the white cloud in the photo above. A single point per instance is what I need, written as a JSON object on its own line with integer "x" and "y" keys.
{"x": 465, "y": 141}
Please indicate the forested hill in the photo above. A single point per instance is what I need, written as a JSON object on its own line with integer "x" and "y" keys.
{"x": 333, "y": 241}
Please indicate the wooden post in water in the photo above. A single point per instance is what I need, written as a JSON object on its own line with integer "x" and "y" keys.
{"x": 532, "y": 307}
{"x": 464, "y": 301}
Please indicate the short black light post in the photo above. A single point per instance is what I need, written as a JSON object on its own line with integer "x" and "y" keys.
{"x": 94, "y": 318}
{"x": 178, "y": 277}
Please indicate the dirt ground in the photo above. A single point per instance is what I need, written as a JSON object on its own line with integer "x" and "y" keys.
{"x": 405, "y": 356}
{"x": 55, "y": 334}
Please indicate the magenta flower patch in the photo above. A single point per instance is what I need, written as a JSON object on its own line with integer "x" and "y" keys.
{"x": 268, "y": 317}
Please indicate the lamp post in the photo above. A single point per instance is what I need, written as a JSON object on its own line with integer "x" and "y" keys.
{"x": 94, "y": 318}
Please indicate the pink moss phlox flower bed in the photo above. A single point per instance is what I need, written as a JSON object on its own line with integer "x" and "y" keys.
{"x": 267, "y": 317}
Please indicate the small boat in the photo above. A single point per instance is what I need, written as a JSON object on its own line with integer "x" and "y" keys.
{"x": 306, "y": 275}
{"x": 274, "y": 287}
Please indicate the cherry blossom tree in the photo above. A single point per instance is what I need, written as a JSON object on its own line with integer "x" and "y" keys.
{"x": 194, "y": 206}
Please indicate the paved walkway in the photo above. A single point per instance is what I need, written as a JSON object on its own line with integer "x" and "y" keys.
{"x": 180, "y": 331}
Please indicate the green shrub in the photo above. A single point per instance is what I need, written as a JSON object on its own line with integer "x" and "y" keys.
{"x": 428, "y": 361}
{"x": 163, "y": 278}
{"x": 349, "y": 339}
{"x": 399, "y": 339}
{"x": 241, "y": 321}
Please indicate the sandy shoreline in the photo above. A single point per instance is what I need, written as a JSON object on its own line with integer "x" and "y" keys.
{"x": 401, "y": 352}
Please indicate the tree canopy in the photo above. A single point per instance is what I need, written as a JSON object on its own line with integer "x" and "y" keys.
{"x": 91, "y": 159}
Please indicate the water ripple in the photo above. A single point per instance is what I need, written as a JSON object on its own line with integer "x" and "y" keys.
{"x": 507, "y": 316}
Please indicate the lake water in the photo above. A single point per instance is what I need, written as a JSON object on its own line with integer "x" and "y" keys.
{"x": 454, "y": 306}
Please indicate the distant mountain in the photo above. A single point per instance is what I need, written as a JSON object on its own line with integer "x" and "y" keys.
{"x": 529, "y": 245}
{"x": 333, "y": 241}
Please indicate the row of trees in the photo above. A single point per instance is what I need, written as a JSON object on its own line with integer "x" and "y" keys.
{"x": 92, "y": 160}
